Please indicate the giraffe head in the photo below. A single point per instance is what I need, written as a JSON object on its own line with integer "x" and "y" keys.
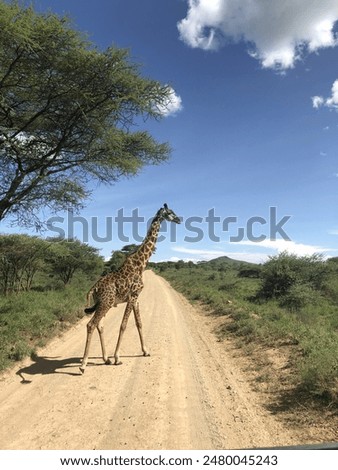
{"x": 167, "y": 214}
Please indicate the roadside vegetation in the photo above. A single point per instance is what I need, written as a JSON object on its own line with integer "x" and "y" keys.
{"x": 70, "y": 118}
{"x": 42, "y": 290}
{"x": 288, "y": 302}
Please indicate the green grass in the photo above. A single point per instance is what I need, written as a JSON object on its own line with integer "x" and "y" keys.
{"x": 306, "y": 319}
{"x": 29, "y": 319}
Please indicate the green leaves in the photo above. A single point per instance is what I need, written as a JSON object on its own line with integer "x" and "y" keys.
{"x": 285, "y": 271}
{"x": 67, "y": 112}
{"x": 22, "y": 257}
{"x": 65, "y": 257}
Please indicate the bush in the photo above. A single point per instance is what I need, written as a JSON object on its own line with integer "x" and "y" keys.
{"x": 297, "y": 297}
{"x": 254, "y": 272}
{"x": 319, "y": 369}
{"x": 284, "y": 271}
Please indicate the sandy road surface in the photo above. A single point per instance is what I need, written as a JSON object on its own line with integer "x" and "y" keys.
{"x": 187, "y": 395}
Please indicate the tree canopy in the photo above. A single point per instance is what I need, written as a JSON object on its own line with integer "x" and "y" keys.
{"x": 67, "y": 114}
{"x": 65, "y": 257}
{"x": 23, "y": 256}
{"x": 118, "y": 257}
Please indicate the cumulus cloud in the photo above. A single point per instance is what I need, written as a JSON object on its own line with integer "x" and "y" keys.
{"x": 277, "y": 32}
{"x": 292, "y": 247}
{"x": 201, "y": 252}
{"x": 171, "y": 106}
{"x": 317, "y": 101}
{"x": 331, "y": 102}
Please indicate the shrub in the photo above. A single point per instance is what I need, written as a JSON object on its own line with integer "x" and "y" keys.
{"x": 319, "y": 369}
{"x": 284, "y": 271}
{"x": 297, "y": 297}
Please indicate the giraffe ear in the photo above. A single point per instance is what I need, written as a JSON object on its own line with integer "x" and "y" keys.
{"x": 165, "y": 206}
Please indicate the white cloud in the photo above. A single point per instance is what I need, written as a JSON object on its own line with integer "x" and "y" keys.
{"x": 331, "y": 102}
{"x": 207, "y": 254}
{"x": 277, "y": 32}
{"x": 171, "y": 106}
{"x": 270, "y": 247}
{"x": 280, "y": 245}
{"x": 317, "y": 101}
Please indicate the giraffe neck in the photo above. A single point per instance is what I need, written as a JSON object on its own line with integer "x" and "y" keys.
{"x": 147, "y": 248}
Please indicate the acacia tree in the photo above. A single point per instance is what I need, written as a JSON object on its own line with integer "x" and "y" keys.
{"x": 118, "y": 257}
{"x": 65, "y": 257}
{"x": 67, "y": 112}
{"x": 21, "y": 257}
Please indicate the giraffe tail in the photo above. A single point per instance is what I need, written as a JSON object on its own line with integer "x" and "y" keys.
{"x": 91, "y": 309}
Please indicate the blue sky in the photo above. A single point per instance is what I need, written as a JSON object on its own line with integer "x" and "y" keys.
{"x": 257, "y": 127}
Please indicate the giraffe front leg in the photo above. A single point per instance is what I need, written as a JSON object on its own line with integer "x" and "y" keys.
{"x": 123, "y": 326}
{"x": 100, "y": 329}
{"x": 138, "y": 322}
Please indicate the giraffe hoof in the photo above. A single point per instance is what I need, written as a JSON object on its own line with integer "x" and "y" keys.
{"x": 82, "y": 370}
{"x": 117, "y": 363}
{"x": 108, "y": 362}
{"x": 146, "y": 354}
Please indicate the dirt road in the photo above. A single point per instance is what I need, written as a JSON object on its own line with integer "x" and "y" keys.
{"x": 189, "y": 394}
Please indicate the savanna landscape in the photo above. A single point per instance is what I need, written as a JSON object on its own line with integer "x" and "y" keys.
{"x": 243, "y": 334}
{"x": 262, "y": 340}
{"x": 282, "y": 314}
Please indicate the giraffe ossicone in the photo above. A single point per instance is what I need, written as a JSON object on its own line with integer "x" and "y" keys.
{"x": 123, "y": 286}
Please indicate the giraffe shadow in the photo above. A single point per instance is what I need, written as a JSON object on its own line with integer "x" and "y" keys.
{"x": 43, "y": 365}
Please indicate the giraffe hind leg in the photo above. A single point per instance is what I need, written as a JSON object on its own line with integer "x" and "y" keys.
{"x": 91, "y": 325}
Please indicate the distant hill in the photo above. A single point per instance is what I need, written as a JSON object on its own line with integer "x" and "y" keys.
{"x": 223, "y": 264}
{"x": 227, "y": 262}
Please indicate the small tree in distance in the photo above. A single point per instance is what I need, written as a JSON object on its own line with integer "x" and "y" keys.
{"x": 118, "y": 257}
{"x": 66, "y": 257}
{"x": 21, "y": 256}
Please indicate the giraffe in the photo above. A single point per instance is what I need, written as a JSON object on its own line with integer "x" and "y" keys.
{"x": 122, "y": 286}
